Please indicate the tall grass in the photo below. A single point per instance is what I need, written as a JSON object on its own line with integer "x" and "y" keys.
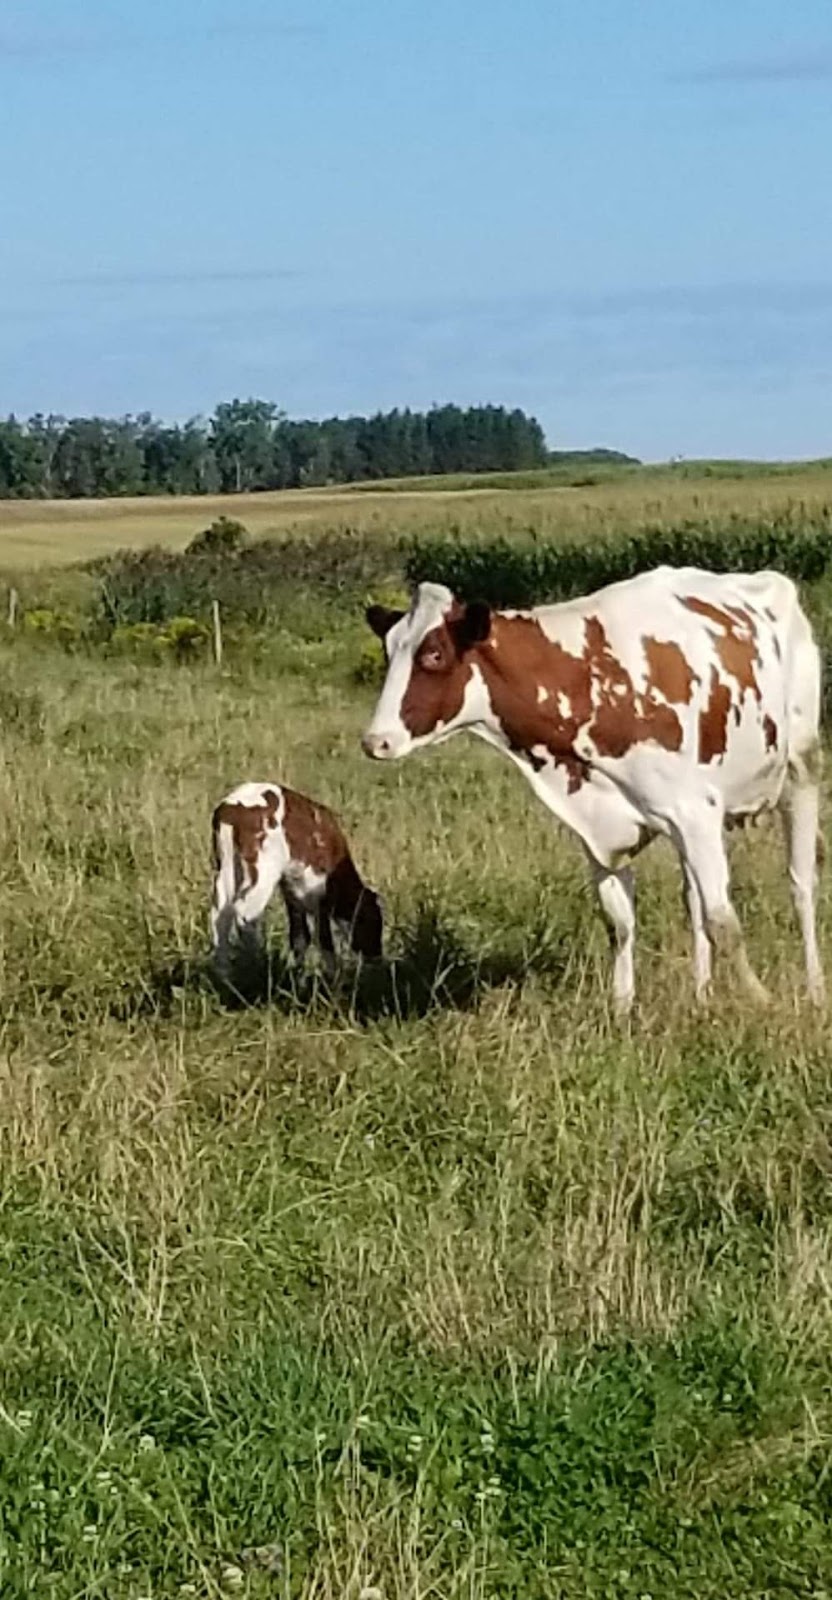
{"x": 431, "y": 1282}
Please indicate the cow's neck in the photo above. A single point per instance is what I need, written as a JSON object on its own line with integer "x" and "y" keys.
{"x": 537, "y": 693}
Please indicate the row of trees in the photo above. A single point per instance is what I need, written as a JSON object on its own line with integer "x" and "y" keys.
{"x": 249, "y": 444}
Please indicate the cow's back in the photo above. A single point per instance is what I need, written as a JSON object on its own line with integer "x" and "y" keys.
{"x": 716, "y": 673}
{"x": 787, "y": 674}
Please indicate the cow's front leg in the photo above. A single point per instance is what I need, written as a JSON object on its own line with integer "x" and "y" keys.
{"x": 701, "y": 942}
{"x": 616, "y": 892}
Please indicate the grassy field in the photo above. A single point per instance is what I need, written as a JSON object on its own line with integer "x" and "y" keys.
{"x": 38, "y": 533}
{"x": 438, "y": 1284}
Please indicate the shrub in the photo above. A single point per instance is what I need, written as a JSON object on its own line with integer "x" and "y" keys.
{"x": 155, "y": 585}
{"x": 135, "y": 637}
{"x": 225, "y": 536}
{"x": 371, "y": 665}
{"x": 56, "y": 626}
{"x": 182, "y": 638}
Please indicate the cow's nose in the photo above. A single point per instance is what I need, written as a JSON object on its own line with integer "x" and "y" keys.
{"x": 376, "y": 746}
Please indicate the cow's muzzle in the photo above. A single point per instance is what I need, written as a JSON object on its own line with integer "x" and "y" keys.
{"x": 377, "y": 746}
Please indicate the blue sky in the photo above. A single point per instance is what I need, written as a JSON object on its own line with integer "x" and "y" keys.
{"x": 616, "y": 215}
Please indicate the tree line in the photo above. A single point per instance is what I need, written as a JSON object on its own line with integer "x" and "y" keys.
{"x": 249, "y": 444}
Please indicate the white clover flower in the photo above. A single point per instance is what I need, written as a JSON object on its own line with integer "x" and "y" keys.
{"x": 147, "y": 1442}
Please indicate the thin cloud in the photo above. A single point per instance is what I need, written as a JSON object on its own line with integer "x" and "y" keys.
{"x": 153, "y": 279}
{"x": 814, "y": 68}
{"x": 19, "y": 45}
{"x": 46, "y": 45}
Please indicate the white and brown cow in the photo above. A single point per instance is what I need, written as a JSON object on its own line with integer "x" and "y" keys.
{"x": 674, "y": 704}
{"x": 266, "y": 836}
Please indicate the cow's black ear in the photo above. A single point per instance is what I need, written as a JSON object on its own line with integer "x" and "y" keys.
{"x": 381, "y": 619}
{"x": 474, "y": 624}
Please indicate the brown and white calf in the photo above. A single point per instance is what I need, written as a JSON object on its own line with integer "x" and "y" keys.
{"x": 267, "y": 836}
{"x": 675, "y": 703}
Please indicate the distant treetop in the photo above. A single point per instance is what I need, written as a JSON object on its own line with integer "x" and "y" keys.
{"x": 249, "y": 445}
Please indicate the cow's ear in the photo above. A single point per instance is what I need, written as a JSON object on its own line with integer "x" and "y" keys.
{"x": 381, "y": 619}
{"x": 473, "y": 625}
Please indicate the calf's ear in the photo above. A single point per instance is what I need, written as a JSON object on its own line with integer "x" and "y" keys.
{"x": 381, "y": 619}
{"x": 473, "y": 625}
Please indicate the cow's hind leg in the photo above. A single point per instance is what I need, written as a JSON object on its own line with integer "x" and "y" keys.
{"x": 699, "y": 839}
{"x": 616, "y": 893}
{"x": 299, "y": 938}
{"x": 223, "y": 930}
{"x": 799, "y": 808}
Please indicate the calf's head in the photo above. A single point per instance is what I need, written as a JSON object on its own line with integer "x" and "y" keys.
{"x": 431, "y": 687}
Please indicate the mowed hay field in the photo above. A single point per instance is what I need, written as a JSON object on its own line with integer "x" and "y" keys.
{"x": 438, "y": 1283}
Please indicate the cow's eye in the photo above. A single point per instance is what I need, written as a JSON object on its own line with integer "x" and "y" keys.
{"x": 432, "y": 659}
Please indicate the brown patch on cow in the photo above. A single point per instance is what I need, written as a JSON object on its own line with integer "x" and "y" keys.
{"x": 439, "y": 677}
{"x": 518, "y": 660}
{"x": 592, "y": 689}
{"x": 314, "y": 837}
{"x": 736, "y": 646}
{"x": 770, "y": 732}
{"x": 624, "y": 717}
{"x": 713, "y": 721}
{"x": 669, "y": 671}
{"x": 248, "y": 825}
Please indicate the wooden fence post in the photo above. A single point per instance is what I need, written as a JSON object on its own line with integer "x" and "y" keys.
{"x": 13, "y": 598}
{"x": 215, "y": 608}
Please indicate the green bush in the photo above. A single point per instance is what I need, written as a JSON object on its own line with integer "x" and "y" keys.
{"x": 183, "y": 638}
{"x": 255, "y": 587}
{"x": 371, "y": 665}
{"x": 44, "y": 623}
{"x": 797, "y": 541}
{"x": 225, "y": 536}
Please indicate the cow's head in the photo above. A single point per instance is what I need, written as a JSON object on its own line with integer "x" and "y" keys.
{"x": 430, "y": 688}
